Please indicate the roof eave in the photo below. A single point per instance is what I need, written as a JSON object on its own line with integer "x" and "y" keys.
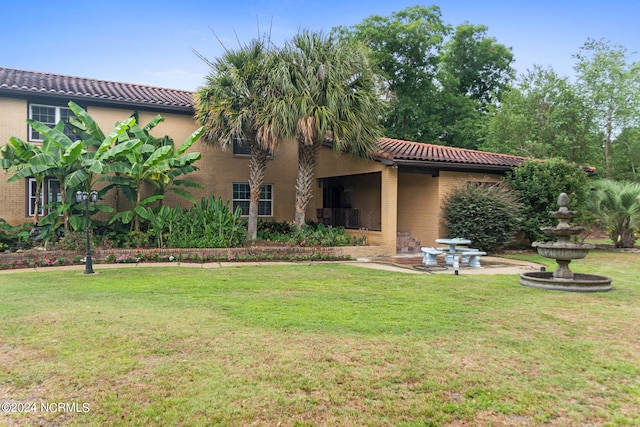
{"x": 92, "y": 100}
{"x": 454, "y": 165}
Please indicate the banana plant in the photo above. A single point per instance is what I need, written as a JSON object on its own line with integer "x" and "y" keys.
{"x": 76, "y": 164}
{"x": 28, "y": 161}
{"x": 155, "y": 161}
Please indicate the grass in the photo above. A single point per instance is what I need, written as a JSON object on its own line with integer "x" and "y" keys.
{"x": 319, "y": 344}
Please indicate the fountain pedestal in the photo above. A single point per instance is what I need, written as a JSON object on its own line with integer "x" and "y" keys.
{"x": 564, "y": 251}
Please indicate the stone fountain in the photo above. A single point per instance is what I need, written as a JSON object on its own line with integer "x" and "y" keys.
{"x": 564, "y": 251}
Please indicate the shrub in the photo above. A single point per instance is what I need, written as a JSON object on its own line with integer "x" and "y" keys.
{"x": 275, "y": 231}
{"x": 14, "y": 236}
{"x": 137, "y": 239}
{"x": 320, "y": 235}
{"x": 538, "y": 185}
{"x": 72, "y": 241}
{"x": 617, "y": 207}
{"x": 208, "y": 224}
{"x": 489, "y": 216}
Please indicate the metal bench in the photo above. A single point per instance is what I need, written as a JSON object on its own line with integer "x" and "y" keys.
{"x": 430, "y": 256}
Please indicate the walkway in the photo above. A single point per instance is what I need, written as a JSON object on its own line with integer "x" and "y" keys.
{"x": 409, "y": 264}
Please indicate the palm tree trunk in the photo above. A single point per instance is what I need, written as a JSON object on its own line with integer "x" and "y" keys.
{"x": 307, "y": 155}
{"x": 257, "y": 167}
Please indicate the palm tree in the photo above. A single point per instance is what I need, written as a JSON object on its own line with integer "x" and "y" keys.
{"x": 327, "y": 93}
{"x": 230, "y": 107}
{"x": 617, "y": 206}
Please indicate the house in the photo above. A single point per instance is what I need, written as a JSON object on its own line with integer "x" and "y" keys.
{"x": 394, "y": 199}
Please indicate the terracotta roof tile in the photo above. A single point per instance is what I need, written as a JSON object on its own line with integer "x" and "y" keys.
{"x": 398, "y": 151}
{"x": 126, "y": 93}
{"x": 103, "y": 90}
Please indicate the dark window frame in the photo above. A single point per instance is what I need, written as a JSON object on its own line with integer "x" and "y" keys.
{"x": 240, "y": 198}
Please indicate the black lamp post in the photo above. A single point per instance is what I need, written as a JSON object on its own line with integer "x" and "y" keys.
{"x": 83, "y": 196}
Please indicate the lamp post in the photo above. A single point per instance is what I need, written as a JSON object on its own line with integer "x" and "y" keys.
{"x": 83, "y": 196}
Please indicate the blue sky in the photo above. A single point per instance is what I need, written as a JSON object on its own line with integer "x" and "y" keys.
{"x": 153, "y": 42}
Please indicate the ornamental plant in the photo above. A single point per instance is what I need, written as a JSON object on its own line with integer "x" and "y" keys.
{"x": 489, "y": 216}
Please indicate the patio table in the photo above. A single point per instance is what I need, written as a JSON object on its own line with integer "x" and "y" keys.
{"x": 449, "y": 257}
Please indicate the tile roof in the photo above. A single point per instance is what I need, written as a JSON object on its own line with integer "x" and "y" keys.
{"x": 104, "y": 91}
{"x": 408, "y": 152}
{"x": 31, "y": 82}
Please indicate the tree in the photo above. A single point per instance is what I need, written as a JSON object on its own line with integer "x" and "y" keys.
{"x": 328, "y": 93}
{"x": 480, "y": 66}
{"x": 231, "y": 107}
{"x": 440, "y": 88}
{"x": 617, "y": 207}
{"x": 543, "y": 117}
{"x": 405, "y": 50}
{"x": 539, "y": 184}
{"x": 625, "y": 155}
{"x": 612, "y": 85}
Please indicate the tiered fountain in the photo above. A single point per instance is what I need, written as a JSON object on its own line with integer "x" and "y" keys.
{"x": 564, "y": 251}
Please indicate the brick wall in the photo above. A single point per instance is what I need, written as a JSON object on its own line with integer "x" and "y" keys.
{"x": 13, "y": 115}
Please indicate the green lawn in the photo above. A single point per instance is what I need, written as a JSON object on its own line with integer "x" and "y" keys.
{"x": 320, "y": 344}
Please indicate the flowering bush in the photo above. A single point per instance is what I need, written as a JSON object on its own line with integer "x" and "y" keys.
{"x": 126, "y": 258}
{"x": 51, "y": 260}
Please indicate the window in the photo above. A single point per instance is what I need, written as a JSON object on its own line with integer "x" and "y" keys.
{"x": 241, "y": 194}
{"x": 241, "y": 148}
{"x": 32, "y": 198}
{"x": 50, "y": 116}
{"x": 49, "y": 193}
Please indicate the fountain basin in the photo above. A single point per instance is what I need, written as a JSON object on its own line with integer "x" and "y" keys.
{"x": 579, "y": 282}
{"x": 564, "y": 251}
{"x": 563, "y": 231}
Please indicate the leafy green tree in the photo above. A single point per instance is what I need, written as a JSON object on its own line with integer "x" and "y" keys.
{"x": 328, "y": 92}
{"x": 617, "y": 207}
{"x": 625, "y": 155}
{"x": 480, "y": 66}
{"x": 538, "y": 185}
{"x": 487, "y": 215}
{"x": 544, "y": 117}
{"x": 405, "y": 50}
{"x": 611, "y": 83}
{"x": 440, "y": 86}
{"x": 232, "y": 106}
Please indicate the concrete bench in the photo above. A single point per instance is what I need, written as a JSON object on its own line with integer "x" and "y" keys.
{"x": 460, "y": 252}
{"x": 473, "y": 257}
{"x": 430, "y": 256}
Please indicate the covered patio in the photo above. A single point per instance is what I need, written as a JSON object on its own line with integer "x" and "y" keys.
{"x": 398, "y": 194}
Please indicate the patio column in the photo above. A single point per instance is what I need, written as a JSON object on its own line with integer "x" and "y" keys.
{"x": 389, "y": 207}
